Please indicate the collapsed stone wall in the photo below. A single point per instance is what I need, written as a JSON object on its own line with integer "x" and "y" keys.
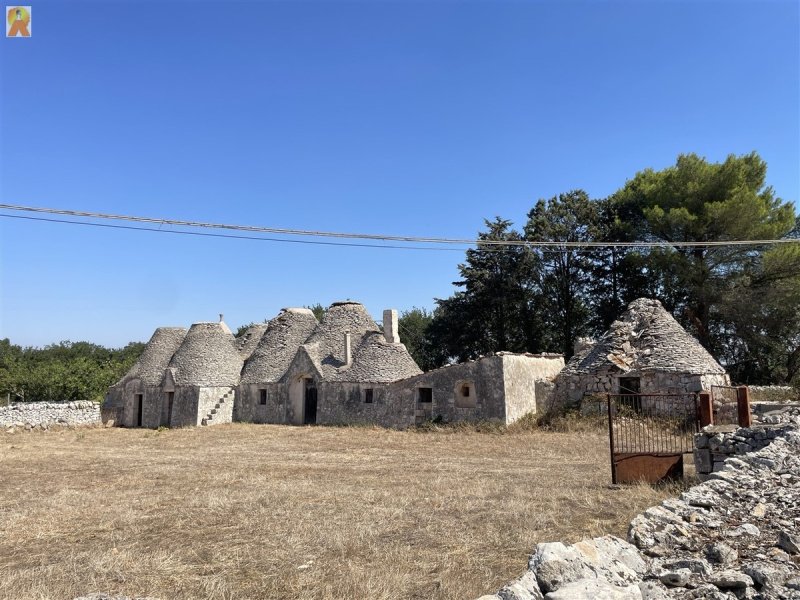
{"x": 734, "y": 536}
{"x": 43, "y": 415}
{"x": 714, "y": 445}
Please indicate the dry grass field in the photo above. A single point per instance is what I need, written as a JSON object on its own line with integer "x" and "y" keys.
{"x": 258, "y": 511}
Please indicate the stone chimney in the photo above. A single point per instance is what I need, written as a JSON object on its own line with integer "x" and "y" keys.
{"x": 390, "y": 326}
{"x": 348, "y": 355}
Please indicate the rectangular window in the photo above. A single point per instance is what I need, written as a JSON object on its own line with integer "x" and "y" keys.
{"x": 368, "y": 396}
{"x": 424, "y": 395}
{"x": 262, "y": 399}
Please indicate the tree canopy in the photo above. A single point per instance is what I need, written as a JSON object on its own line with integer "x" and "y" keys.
{"x": 740, "y": 301}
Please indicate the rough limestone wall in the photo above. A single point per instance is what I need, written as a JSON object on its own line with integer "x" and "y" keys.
{"x": 485, "y": 374}
{"x": 43, "y": 415}
{"x": 714, "y": 445}
{"x": 343, "y": 403}
{"x": 735, "y": 536}
{"x": 520, "y": 376}
{"x": 207, "y": 400}
{"x": 572, "y": 390}
{"x": 248, "y": 407}
{"x": 774, "y": 393}
{"x": 184, "y": 407}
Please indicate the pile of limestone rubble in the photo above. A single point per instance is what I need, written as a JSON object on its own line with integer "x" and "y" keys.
{"x": 736, "y": 535}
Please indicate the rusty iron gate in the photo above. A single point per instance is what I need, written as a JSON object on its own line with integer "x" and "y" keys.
{"x": 725, "y": 404}
{"x": 649, "y": 434}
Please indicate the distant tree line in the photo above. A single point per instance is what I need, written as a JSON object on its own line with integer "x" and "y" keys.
{"x": 741, "y": 302}
{"x": 63, "y": 371}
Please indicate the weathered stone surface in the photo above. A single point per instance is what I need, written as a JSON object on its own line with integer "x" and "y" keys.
{"x": 676, "y": 578}
{"x": 595, "y": 589}
{"x": 524, "y": 588}
{"x": 731, "y": 579}
{"x": 721, "y": 553}
{"x": 789, "y": 542}
{"x": 652, "y": 591}
{"x": 44, "y": 415}
{"x": 556, "y": 564}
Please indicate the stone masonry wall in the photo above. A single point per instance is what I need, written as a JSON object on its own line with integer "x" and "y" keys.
{"x": 734, "y": 536}
{"x": 715, "y": 444}
{"x": 43, "y": 415}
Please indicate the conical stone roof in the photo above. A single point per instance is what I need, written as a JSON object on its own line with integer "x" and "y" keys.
{"x": 645, "y": 338}
{"x": 327, "y": 340}
{"x": 248, "y": 341}
{"x": 155, "y": 357}
{"x": 377, "y": 361}
{"x": 208, "y": 356}
{"x": 278, "y": 345}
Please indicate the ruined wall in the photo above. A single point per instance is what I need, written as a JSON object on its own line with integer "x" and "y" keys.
{"x": 151, "y": 405}
{"x": 715, "y": 444}
{"x": 487, "y": 391}
{"x": 520, "y": 377}
{"x": 185, "y": 405}
{"x": 344, "y": 403}
{"x": 571, "y": 389}
{"x": 248, "y": 407}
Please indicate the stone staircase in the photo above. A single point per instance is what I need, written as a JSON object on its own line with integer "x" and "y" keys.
{"x": 218, "y": 407}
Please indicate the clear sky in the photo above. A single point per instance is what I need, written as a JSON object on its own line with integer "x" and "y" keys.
{"x": 419, "y": 118}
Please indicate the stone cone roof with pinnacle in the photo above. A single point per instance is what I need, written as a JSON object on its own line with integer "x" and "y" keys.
{"x": 645, "y": 338}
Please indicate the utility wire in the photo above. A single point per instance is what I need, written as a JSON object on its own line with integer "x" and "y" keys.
{"x": 384, "y": 238}
{"x": 228, "y": 236}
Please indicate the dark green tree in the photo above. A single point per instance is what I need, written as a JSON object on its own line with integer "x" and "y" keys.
{"x": 698, "y": 201}
{"x": 495, "y": 308}
{"x": 564, "y": 272}
{"x": 413, "y": 327}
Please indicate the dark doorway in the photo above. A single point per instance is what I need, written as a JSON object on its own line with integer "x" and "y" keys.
{"x": 310, "y": 412}
{"x": 138, "y": 406}
{"x": 170, "y": 402}
{"x": 630, "y": 392}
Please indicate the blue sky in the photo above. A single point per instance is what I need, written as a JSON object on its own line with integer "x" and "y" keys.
{"x": 419, "y": 118}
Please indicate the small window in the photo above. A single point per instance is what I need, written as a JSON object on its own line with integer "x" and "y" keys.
{"x": 465, "y": 396}
{"x": 262, "y": 400}
{"x": 425, "y": 395}
{"x": 368, "y": 396}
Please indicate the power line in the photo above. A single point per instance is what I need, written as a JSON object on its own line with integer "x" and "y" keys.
{"x": 228, "y": 236}
{"x": 374, "y": 237}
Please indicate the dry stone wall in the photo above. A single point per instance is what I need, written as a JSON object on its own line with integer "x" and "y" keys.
{"x": 715, "y": 444}
{"x": 43, "y": 415}
{"x": 734, "y": 536}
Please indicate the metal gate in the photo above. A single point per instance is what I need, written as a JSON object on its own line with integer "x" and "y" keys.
{"x": 724, "y": 399}
{"x": 649, "y": 434}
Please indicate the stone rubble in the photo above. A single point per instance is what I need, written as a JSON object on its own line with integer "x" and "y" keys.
{"x": 734, "y": 536}
{"x": 44, "y": 415}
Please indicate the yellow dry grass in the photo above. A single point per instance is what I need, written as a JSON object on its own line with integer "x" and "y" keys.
{"x": 259, "y": 511}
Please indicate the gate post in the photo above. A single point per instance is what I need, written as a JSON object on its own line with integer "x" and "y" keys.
{"x": 743, "y": 406}
{"x": 611, "y": 441}
{"x": 706, "y": 409}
